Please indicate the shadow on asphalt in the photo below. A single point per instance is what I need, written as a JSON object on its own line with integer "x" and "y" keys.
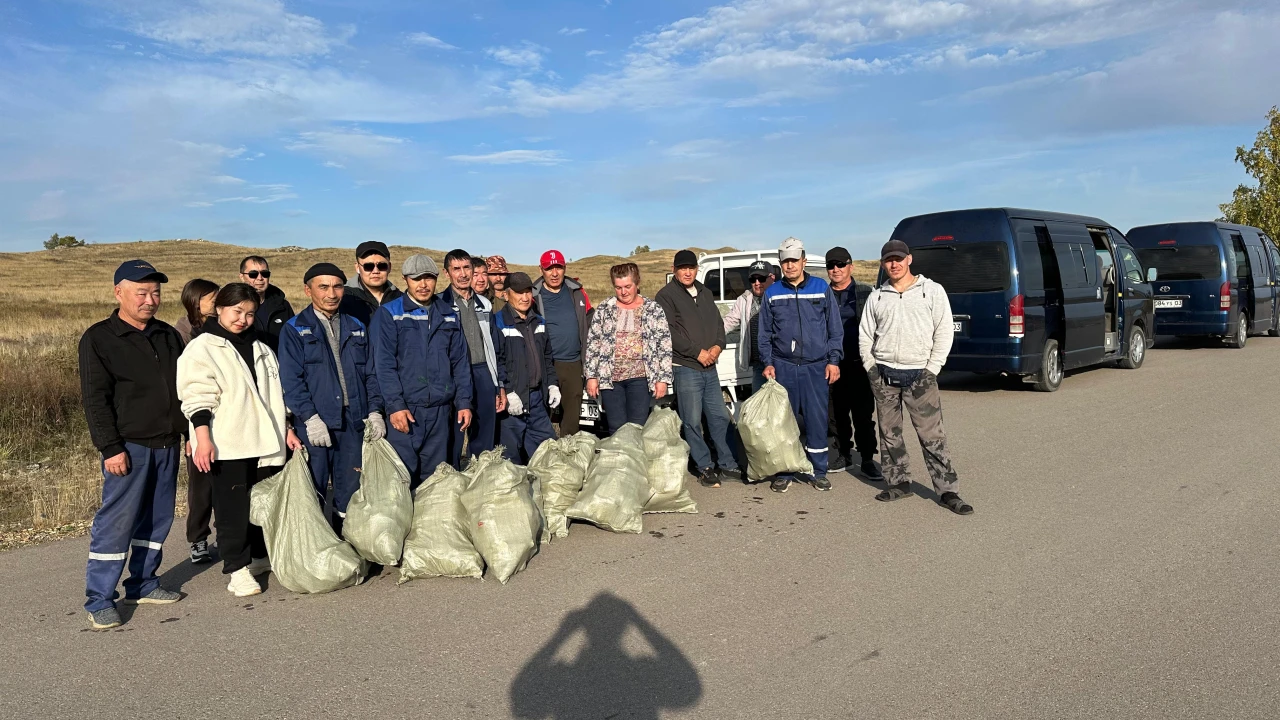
{"x": 182, "y": 573}
{"x": 585, "y": 670}
{"x": 923, "y": 491}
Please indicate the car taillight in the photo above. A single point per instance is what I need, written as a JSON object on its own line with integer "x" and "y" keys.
{"x": 1016, "y": 324}
{"x": 1224, "y": 296}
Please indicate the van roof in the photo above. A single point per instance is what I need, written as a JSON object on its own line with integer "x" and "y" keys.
{"x": 1210, "y": 223}
{"x": 1028, "y": 214}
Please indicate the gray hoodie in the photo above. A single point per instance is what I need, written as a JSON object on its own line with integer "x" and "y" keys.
{"x": 911, "y": 330}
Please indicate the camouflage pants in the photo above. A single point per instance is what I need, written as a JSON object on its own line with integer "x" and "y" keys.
{"x": 924, "y": 404}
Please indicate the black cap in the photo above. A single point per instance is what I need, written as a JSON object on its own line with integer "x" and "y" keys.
{"x": 372, "y": 247}
{"x": 519, "y": 282}
{"x": 685, "y": 258}
{"x": 759, "y": 268}
{"x": 838, "y": 254}
{"x": 139, "y": 270}
{"x": 324, "y": 269}
{"x": 777, "y": 271}
{"x": 894, "y": 248}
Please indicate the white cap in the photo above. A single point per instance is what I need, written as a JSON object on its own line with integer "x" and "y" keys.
{"x": 790, "y": 249}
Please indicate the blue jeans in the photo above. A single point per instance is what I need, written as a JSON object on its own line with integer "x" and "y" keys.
{"x": 483, "y": 430}
{"x": 757, "y": 377}
{"x": 626, "y": 402}
{"x": 698, "y": 393}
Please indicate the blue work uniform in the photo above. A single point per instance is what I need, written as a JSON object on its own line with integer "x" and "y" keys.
{"x": 309, "y": 376}
{"x": 800, "y": 335}
{"x": 421, "y": 364}
{"x": 487, "y": 377}
{"x": 530, "y": 370}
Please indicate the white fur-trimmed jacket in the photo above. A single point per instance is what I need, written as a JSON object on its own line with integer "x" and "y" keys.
{"x": 248, "y": 420}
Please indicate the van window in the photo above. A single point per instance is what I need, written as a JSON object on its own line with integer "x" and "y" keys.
{"x": 1184, "y": 262}
{"x": 1242, "y": 258}
{"x": 964, "y": 267}
{"x": 1071, "y": 265}
{"x": 1048, "y": 261}
{"x": 1129, "y": 263}
{"x": 1275, "y": 256}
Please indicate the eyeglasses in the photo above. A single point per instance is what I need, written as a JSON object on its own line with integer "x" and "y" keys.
{"x": 837, "y": 264}
{"x": 758, "y": 280}
{"x": 380, "y": 267}
{"x": 253, "y": 274}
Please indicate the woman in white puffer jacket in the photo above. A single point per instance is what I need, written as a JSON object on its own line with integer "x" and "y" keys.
{"x": 229, "y": 385}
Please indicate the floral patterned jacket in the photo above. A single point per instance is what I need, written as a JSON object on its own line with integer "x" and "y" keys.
{"x": 654, "y": 331}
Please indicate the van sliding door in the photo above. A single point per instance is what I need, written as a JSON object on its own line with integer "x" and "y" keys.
{"x": 1082, "y": 302}
{"x": 1264, "y": 288}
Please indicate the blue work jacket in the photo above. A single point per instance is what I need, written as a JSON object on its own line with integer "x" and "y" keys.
{"x": 800, "y": 323}
{"x": 419, "y": 355}
{"x": 309, "y": 375}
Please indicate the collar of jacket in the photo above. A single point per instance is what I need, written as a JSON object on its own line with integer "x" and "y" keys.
{"x": 918, "y": 282}
{"x": 122, "y": 328}
{"x": 272, "y": 293}
{"x": 355, "y": 283}
{"x": 569, "y": 283}
{"x": 450, "y": 297}
{"x": 310, "y": 318}
{"x": 804, "y": 280}
{"x": 512, "y": 319}
{"x": 697, "y": 285}
{"x": 259, "y": 349}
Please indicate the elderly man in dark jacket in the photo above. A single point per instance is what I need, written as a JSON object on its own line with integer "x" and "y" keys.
{"x": 532, "y": 383}
{"x": 128, "y": 383}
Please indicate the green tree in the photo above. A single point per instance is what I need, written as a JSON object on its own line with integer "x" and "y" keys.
{"x": 1259, "y": 206}
{"x": 56, "y": 241}
{"x": 640, "y": 249}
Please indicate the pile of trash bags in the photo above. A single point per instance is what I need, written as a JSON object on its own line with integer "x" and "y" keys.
{"x": 771, "y": 435}
{"x": 488, "y": 520}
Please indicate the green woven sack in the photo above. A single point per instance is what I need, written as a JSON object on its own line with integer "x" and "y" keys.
{"x": 770, "y": 434}
{"x": 438, "y": 544}
{"x": 504, "y": 523}
{"x": 380, "y": 512}
{"x": 617, "y": 485}
{"x": 561, "y": 468}
{"x": 668, "y": 464}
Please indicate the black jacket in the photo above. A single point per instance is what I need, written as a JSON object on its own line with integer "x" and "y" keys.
{"x": 851, "y": 301}
{"x": 517, "y": 336}
{"x": 360, "y": 304}
{"x": 581, "y": 306}
{"x": 129, "y": 385}
{"x": 273, "y": 313}
{"x": 695, "y": 323}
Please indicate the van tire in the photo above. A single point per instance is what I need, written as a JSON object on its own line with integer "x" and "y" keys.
{"x": 1050, "y": 376}
{"x": 1241, "y": 335}
{"x": 1275, "y": 326}
{"x": 1136, "y": 351}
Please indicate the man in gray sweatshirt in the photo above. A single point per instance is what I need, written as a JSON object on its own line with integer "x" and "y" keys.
{"x": 904, "y": 338}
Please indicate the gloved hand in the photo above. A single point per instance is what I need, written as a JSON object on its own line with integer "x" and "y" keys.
{"x": 514, "y": 405}
{"x": 317, "y": 433}
{"x": 553, "y": 396}
{"x": 376, "y": 427}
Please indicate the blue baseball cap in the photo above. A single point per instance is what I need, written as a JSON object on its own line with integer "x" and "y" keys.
{"x": 139, "y": 270}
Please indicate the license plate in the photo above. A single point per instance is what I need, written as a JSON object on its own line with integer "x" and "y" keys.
{"x": 1172, "y": 303}
{"x": 958, "y": 325}
{"x": 590, "y": 410}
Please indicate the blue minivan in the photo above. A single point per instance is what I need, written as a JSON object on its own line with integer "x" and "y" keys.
{"x": 1034, "y": 294}
{"x": 1215, "y": 279}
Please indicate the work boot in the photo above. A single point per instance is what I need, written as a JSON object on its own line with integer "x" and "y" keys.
{"x": 159, "y": 596}
{"x": 871, "y": 469}
{"x": 243, "y": 583}
{"x": 820, "y": 482}
{"x": 105, "y": 619}
{"x": 258, "y": 566}
{"x": 780, "y": 483}
{"x": 200, "y": 552}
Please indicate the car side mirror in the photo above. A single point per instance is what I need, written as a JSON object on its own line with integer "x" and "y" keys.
{"x": 1151, "y": 274}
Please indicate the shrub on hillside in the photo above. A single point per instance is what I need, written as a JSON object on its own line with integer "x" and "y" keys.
{"x": 57, "y": 241}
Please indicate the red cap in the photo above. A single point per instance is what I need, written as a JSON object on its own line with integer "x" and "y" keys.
{"x": 551, "y": 258}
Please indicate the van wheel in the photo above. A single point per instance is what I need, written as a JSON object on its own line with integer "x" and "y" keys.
{"x": 1137, "y": 351}
{"x": 1242, "y": 332}
{"x": 1050, "y": 376}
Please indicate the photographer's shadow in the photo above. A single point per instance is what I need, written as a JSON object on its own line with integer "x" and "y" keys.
{"x": 605, "y": 678}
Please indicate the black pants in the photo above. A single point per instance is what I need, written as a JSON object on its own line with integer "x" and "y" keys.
{"x": 571, "y": 384}
{"x": 239, "y": 541}
{"x": 199, "y": 503}
{"x": 851, "y": 397}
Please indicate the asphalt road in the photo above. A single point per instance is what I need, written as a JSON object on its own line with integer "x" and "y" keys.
{"x": 1122, "y": 563}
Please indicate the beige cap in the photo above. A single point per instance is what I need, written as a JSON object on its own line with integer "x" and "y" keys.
{"x": 790, "y": 249}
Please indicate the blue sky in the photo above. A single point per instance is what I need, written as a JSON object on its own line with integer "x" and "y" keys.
{"x": 511, "y": 127}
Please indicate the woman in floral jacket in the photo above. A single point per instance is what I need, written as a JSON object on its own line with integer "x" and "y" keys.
{"x": 628, "y": 359}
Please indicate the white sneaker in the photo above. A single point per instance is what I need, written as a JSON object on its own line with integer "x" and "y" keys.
{"x": 243, "y": 584}
{"x": 258, "y": 566}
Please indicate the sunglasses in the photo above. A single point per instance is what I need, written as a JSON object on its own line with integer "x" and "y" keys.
{"x": 255, "y": 274}
{"x": 758, "y": 280}
{"x": 836, "y": 264}
{"x": 380, "y": 267}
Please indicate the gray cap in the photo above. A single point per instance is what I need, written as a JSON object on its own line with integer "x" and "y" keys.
{"x": 418, "y": 265}
{"x": 791, "y": 249}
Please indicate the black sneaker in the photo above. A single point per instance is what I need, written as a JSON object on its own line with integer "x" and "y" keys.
{"x": 780, "y": 484}
{"x": 708, "y": 478}
{"x": 838, "y": 461}
{"x": 820, "y": 482}
{"x": 200, "y": 552}
{"x": 731, "y": 475}
{"x": 871, "y": 469}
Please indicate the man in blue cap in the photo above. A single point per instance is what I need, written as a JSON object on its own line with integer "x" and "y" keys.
{"x": 128, "y": 384}
{"x": 330, "y": 387}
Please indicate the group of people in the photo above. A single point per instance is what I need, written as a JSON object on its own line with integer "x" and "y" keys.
{"x": 492, "y": 358}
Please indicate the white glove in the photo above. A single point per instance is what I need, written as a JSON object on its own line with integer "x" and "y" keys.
{"x": 553, "y": 396}
{"x": 374, "y": 426}
{"x": 514, "y": 406}
{"x": 317, "y": 432}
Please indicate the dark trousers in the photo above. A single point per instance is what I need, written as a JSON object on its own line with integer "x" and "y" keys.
{"x": 626, "y": 402}
{"x": 522, "y": 434}
{"x": 239, "y": 540}
{"x": 134, "y": 520}
{"x": 571, "y": 383}
{"x": 482, "y": 434}
{"x": 426, "y": 445}
{"x": 809, "y": 394}
{"x": 339, "y": 463}
{"x": 853, "y": 412}
{"x": 199, "y": 503}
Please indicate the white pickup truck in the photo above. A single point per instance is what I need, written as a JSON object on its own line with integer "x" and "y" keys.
{"x": 725, "y": 275}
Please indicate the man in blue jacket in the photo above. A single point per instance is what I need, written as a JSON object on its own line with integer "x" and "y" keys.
{"x": 533, "y": 389}
{"x": 329, "y": 387}
{"x": 484, "y": 352}
{"x": 420, "y": 360}
{"x": 801, "y": 344}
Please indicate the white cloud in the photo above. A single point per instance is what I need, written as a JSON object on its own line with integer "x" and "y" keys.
{"x": 346, "y": 143}
{"x": 242, "y": 27}
{"x": 594, "y": 53}
{"x": 199, "y": 204}
{"x": 226, "y": 180}
{"x": 332, "y": 164}
{"x": 526, "y": 57}
{"x": 267, "y": 194}
{"x": 572, "y": 31}
{"x": 780, "y": 134}
{"x": 425, "y": 40}
{"x": 415, "y": 203}
{"x": 513, "y": 157}
{"x": 695, "y": 149}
